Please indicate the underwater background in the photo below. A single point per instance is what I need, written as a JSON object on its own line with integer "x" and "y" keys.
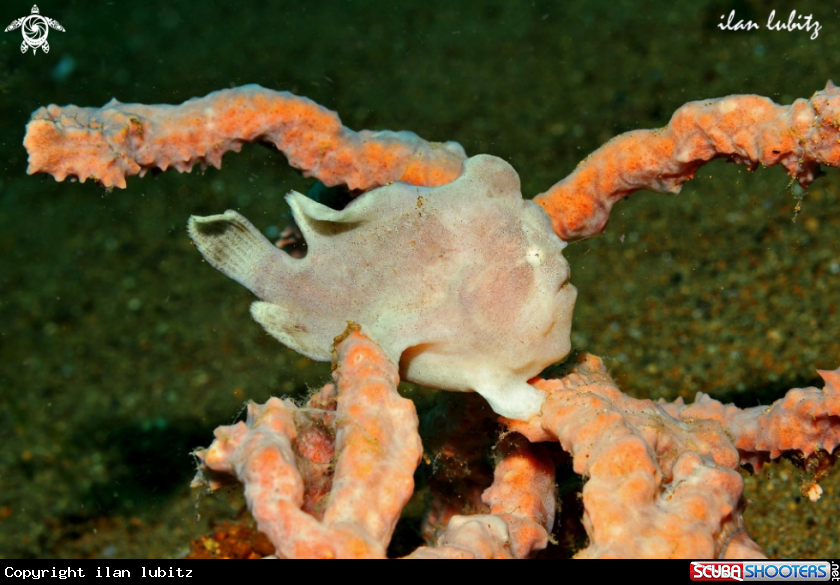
{"x": 121, "y": 350}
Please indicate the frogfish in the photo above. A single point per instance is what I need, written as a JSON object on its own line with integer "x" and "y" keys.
{"x": 463, "y": 285}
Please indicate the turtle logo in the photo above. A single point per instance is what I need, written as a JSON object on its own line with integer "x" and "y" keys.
{"x": 35, "y": 29}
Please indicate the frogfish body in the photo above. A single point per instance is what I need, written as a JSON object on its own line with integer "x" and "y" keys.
{"x": 463, "y": 285}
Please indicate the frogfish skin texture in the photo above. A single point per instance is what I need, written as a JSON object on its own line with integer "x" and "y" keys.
{"x": 463, "y": 285}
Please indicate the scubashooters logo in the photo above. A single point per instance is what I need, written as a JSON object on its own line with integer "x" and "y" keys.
{"x": 35, "y": 29}
{"x": 763, "y": 570}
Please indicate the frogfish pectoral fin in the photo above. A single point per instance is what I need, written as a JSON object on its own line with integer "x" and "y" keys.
{"x": 285, "y": 326}
{"x": 516, "y": 400}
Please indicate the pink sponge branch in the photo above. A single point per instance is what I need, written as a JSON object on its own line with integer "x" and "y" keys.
{"x": 377, "y": 449}
{"x": 662, "y": 479}
{"x": 657, "y": 488}
{"x": 118, "y": 140}
{"x": 747, "y": 129}
{"x": 803, "y": 421}
{"x": 521, "y": 504}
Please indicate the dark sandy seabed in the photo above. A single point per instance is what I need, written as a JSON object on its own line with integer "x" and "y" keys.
{"x": 121, "y": 350}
